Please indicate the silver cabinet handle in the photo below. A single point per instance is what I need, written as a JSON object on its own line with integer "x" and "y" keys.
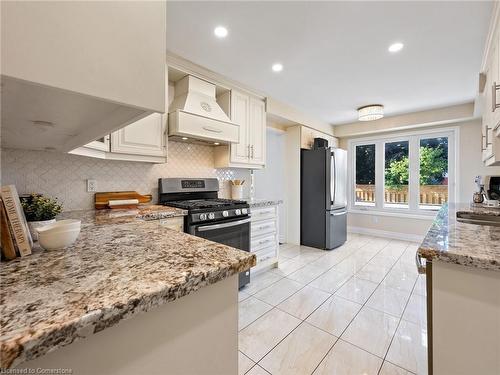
{"x": 251, "y": 147}
{"x": 338, "y": 214}
{"x": 264, "y": 241}
{"x": 248, "y": 151}
{"x": 223, "y": 225}
{"x": 420, "y": 266}
{"x": 494, "y": 89}
{"x": 213, "y": 130}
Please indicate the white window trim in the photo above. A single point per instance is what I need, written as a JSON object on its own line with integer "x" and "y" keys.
{"x": 453, "y": 134}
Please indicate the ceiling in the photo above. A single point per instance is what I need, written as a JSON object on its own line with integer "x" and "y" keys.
{"x": 335, "y": 54}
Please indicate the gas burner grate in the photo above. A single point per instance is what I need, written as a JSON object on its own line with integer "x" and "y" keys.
{"x": 204, "y": 203}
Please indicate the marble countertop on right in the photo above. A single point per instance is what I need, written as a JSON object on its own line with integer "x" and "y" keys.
{"x": 470, "y": 245}
{"x": 261, "y": 202}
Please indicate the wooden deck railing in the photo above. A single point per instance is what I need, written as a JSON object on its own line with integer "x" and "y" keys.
{"x": 429, "y": 194}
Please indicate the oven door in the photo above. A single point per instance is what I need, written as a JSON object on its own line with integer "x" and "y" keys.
{"x": 234, "y": 233}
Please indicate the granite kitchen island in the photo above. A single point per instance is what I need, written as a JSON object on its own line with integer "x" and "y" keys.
{"x": 463, "y": 291}
{"x": 127, "y": 298}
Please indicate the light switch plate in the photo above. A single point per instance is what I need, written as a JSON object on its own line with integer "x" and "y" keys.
{"x": 91, "y": 186}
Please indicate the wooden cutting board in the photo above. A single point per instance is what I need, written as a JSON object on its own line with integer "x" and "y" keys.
{"x": 101, "y": 200}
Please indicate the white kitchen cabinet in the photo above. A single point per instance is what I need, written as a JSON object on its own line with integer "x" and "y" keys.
{"x": 250, "y": 114}
{"x": 68, "y": 88}
{"x": 257, "y": 131}
{"x": 144, "y": 140}
{"x": 264, "y": 236}
{"x": 101, "y": 144}
{"x": 144, "y": 137}
{"x": 307, "y": 136}
{"x": 490, "y": 144}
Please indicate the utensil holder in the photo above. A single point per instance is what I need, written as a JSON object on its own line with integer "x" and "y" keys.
{"x": 236, "y": 191}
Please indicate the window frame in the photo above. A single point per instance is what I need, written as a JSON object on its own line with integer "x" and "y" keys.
{"x": 413, "y": 138}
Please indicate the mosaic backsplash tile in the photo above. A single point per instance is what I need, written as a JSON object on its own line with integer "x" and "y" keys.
{"x": 64, "y": 175}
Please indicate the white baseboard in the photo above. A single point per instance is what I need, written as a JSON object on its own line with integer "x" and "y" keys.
{"x": 386, "y": 234}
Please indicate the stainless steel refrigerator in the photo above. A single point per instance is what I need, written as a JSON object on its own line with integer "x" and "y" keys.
{"x": 323, "y": 206}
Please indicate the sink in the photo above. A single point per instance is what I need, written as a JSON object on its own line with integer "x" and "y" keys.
{"x": 471, "y": 218}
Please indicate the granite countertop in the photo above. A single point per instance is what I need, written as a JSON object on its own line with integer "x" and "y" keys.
{"x": 52, "y": 298}
{"x": 121, "y": 216}
{"x": 469, "y": 245}
{"x": 256, "y": 203}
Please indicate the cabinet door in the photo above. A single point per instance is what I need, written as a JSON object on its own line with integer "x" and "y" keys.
{"x": 144, "y": 137}
{"x": 257, "y": 131}
{"x": 240, "y": 114}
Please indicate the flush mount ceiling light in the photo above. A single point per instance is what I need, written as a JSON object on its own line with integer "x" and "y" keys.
{"x": 370, "y": 112}
{"x": 277, "y": 67}
{"x": 396, "y": 47}
{"x": 184, "y": 138}
{"x": 220, "y": 32}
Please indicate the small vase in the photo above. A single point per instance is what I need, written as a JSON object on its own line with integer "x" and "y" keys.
{"x": 37, "y": 224}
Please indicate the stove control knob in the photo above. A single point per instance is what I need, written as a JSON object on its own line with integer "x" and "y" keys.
{"x": 203, "y": 216}
{"x": 237, "y": 211}
{"x": 225, "y": 213}
{"x": 211, "y": 215}
{"x": 244, "y": 211}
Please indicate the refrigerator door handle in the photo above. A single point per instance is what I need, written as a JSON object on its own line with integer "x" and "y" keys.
{"x": 332, "y": 178}
{"x": 338, "y": 214}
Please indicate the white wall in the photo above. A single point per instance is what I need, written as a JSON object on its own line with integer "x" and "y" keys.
{"x": 270, "y": 182}
{"x": 469, "y": 165}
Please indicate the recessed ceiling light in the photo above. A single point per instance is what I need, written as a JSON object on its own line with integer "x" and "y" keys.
{"x": 220, "y": 32}
{"x": 370, "y": 112}
{"x": 277, "y": 67}
{"x": 216, "y": 143}
{"x": 184, "y": 138}
{"x": 396, "y": 47}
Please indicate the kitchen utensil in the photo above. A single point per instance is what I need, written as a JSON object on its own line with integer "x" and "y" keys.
{"x": 236, "y": 191}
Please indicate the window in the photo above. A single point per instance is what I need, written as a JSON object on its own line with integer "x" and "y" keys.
{"x": 397, "y": 170}
{"x": 411, "y": 173}
{"x": 365, "y": 175}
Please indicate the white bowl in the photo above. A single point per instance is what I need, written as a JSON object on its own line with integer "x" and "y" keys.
{"x": 61, "y": 225}
{"x": 57, "y": 239}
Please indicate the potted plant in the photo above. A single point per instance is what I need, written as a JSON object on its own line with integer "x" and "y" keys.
{"x": 39, "y": 211}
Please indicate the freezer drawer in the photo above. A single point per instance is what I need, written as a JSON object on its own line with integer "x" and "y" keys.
{"x": 336, "y": 228}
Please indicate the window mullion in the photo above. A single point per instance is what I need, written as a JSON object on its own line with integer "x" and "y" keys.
{"x": 379, "y": 175}
{"x": 414, "y": 177}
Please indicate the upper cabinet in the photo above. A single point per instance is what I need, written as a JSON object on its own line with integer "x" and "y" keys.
{"x": 307, "y": 136}
{"x": 73, "y": 72}
{"x": 249, "y": 113}
{"x": 490, "y": 86}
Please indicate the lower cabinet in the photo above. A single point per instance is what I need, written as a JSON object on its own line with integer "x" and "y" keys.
{"x": 144, "y": 140}
{"x": 264, "y": 237}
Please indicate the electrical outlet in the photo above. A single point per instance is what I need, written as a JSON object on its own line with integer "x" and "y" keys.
{"x": 91, "y": 186}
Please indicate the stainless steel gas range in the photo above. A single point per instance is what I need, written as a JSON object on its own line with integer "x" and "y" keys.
{"x": 225, "y": 221}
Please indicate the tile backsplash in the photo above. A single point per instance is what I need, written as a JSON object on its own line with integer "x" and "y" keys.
{"x": 64, "y": 175}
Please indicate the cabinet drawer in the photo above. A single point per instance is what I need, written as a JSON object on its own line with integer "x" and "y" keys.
{"x": 259, "y": 214}
{"x": 175, "y": 223}
{"x": 263, "y": 227}
{"x": 261, "y": 242}
{"x": 266, "y": 253}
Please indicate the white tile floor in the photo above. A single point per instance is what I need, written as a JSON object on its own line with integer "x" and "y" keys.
{"x": 359, "y": 309}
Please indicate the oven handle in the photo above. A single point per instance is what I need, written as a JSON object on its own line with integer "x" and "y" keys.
{"x": 223, "y": 225}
